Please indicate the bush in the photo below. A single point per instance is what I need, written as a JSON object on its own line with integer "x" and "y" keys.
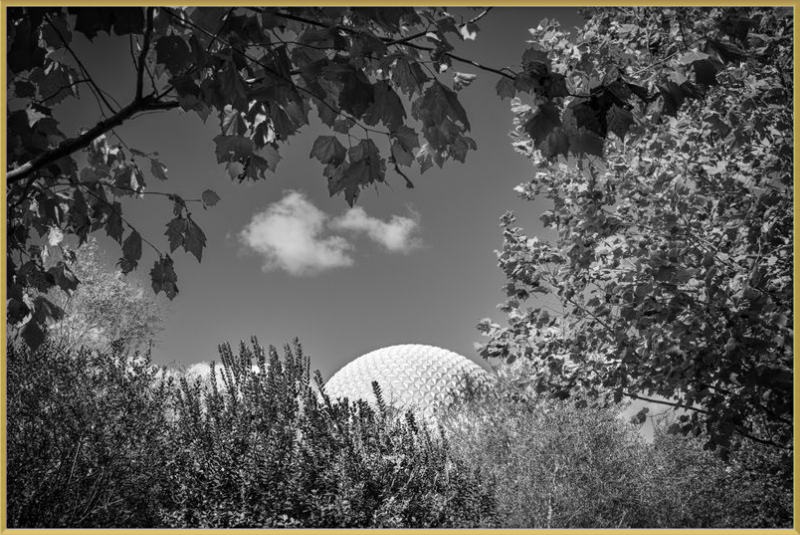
{"x": 104, "y": 439}
{"x": 557, "y": 466}
{"x": 753, "y": 488}
{"x": 266, "y": 450}
{"x": 82, "y": 429}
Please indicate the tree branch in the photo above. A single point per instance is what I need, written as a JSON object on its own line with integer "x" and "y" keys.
{"x": 143, "y": 54}
{"x": 739, "y": 431}
{"x": 664, "y": 402}
{"x": 389, "y": 41}
{"x": 81, "y": 142}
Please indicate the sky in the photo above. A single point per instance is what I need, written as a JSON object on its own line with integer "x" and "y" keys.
{"x": 284, "y": 260}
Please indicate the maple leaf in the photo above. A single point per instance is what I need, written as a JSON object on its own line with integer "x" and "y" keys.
{"x": 536, "y": 61}
{"x": 163, "y": 277}
{"x": 554, "y": 144}
{"x": 438, "y": 105}
{"x": 672, "y": 96}
{"x": 367, "y": 152}
{"x": 183, "y": 231}
{"x": 401, "y": 155}
{"x": 233, "y": 85}
{"x": 725, "y": 52}
{"x": 387, "y": 107}
{"x": 57, "y": 33}
{"x": 233, "y": 148}
{"x": 232, "y": 122}
{"x": 706, "y": 70}
{"x": 113, "y": 223}
{"x": 64, "y": 277}
{"x": 328, "y": 149}
{"x": 173, "y": 52}
{"x": 409, "y": 76}
{"x": 175, "y": 231}
{"x": 194, "y": 239}
{"x": 129, "y": 180}
{"x": 33, "y": 334}
{"x": 55, "y": 82}
{"x": 351, "y": 181}
{"x": 131, "y": 252}
{"x": 542, "y": 123}
{"x": 158, "y": 169}
{"x": 505, "y": 88}
{"x": 619, "y": 120}
{"x": 407, "y": 138}
{"x": 209, "y": 197}
{"x": 584, "y": 141}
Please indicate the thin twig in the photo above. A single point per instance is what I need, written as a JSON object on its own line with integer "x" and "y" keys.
{"x": 143, "y": 54}
{"x": 111, "y": 206}
{"x": 337, "y": 111}
{"x": 81, "y": 65}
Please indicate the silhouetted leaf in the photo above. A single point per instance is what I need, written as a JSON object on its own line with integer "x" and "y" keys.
{"x": 619, "y": 120}
{"x": 173, "y": 52}
{"x": 210, "y": 198}
{"x": 158, "y": 169}
{"x": 328, "y": 149}
{"x": 163, "y": 277}
{"x": 131, "y": 252}
{"x": 542, "y": 123}
{"x": 506, "y": 88}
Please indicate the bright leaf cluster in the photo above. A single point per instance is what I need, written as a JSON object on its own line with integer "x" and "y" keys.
{"x": 672, "y": 272}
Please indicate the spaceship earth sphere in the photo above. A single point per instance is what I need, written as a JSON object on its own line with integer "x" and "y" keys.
{"x": 411, "y": 376}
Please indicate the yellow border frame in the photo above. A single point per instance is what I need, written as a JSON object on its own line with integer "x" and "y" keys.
{"x": 508, "y": 3}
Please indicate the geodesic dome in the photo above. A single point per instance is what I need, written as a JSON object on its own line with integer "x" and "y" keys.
{"x": 411, "y": 376}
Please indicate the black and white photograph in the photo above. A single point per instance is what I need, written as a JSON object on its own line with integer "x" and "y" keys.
{"x": 386, "y": 266}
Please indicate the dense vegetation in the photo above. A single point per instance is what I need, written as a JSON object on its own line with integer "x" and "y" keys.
{"x": 104, "y": 439}
{"x": 671, "y": 275}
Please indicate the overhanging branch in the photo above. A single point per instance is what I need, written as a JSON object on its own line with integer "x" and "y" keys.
{"x": 81, "y": 142}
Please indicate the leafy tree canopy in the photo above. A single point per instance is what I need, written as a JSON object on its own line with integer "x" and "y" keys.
{"x": 672, "y": 271}
{"x": 376, "y": 77}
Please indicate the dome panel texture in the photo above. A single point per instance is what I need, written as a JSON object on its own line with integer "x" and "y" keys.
{"x": 411, "y": 376}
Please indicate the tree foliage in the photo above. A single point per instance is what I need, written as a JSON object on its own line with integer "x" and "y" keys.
{"x": 106, "y": 309}
{"x": 671, "y": 188}
{"x": 374, "y": 76}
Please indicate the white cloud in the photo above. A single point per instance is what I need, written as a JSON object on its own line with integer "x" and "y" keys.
{"x": 287, "y": 235}
{"x": 396, "y": 235}
{"x": 294, "y": 235}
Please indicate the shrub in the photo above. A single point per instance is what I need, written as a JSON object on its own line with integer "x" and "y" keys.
{"x": 82, "y": 429}
{"x": 558, "y": 466}
{"x": 753, "y": 488}
{"x": 267, "y": 451}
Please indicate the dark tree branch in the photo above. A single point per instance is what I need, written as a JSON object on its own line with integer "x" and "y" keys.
{"x": 664, "y": 402}
{"x": 389, "y": 41}
{"x": 148, "y": 34}
{"x": 739, "y": 431}
{"x": 81, "y": 142}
